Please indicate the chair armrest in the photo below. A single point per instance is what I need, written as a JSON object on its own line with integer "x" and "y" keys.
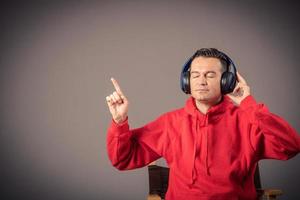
{"x": 153, "y": 197}
{"x": 270, "y": 193}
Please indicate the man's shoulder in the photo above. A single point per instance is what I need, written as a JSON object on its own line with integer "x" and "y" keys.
{"x": 175, "y": 113}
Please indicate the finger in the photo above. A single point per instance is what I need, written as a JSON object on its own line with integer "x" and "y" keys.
{"x": 240, "y": 78}
{"x": 116, "y": 85}
{"x": 123, "y": 98}
{"x": 237, "y": 87}
{"x": 117, "y": 97}
{"x": 113, "y": 99}
{"x": 109, "y": 103}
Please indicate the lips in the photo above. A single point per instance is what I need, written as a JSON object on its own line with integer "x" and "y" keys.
{"x": 202, "y": 90}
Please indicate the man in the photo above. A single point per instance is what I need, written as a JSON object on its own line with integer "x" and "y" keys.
{"x": 212, "y": 145}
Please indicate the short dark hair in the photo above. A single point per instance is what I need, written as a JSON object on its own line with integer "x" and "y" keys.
{"x": 212, "y": 53}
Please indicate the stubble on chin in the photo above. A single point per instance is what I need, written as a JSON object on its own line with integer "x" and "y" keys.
{"x": 207, "y": 100}
{"x": 201, "y": 99}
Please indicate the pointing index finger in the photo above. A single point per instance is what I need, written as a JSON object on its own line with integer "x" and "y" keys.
{"x": 116, "y": 85}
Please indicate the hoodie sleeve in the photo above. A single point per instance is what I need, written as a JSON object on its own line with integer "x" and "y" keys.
{"x": 270, "y": 135}
{"x": 133, "y": 148}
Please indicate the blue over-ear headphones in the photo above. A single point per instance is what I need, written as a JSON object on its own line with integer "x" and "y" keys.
{"x": 228, "y": 79}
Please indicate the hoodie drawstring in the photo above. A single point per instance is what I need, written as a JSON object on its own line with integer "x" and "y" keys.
{"x": 206, "y": 156}
{"x": 206, "y": 147}
{"x": 194, "y": 156}
{"x": 206, "y": 143}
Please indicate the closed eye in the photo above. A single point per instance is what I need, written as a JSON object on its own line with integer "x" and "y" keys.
{"x": 210, "y": 74}
{"x": 195, "y": 74}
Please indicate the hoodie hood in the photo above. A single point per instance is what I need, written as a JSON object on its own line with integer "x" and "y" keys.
{"x": 203, "y": 120}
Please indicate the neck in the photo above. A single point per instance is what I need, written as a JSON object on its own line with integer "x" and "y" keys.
{"x": 204, "y": 106}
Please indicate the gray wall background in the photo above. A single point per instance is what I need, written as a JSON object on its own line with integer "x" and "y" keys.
{"x": 57, "y": 59}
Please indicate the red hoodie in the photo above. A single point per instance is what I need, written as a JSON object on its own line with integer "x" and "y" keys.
{"x": 211, "y": 156}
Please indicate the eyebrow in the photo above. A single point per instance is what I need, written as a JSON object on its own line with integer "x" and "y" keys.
{"x": 197, "y": 72}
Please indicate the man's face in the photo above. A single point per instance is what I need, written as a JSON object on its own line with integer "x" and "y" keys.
{"x": 205, "y": 80}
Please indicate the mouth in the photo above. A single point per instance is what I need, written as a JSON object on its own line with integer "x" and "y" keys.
{"x": 202, "y": 90}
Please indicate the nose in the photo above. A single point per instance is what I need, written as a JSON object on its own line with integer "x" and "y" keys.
{"x": 202, "y": 80}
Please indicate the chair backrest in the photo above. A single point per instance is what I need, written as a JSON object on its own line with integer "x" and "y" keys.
{"x": 159, "y": 177}
{"x": 158, "y": 180}
{"x": 257, "y": 181}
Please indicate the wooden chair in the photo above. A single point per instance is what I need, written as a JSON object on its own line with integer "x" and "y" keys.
{"x": 159, "y": 176}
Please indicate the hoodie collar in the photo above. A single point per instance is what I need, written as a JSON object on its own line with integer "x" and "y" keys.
{"x": 213, "y": 112}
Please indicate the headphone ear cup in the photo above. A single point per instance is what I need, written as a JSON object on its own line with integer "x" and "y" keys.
{"x": 186, "y": 82}
{"x": 228, "y": 81}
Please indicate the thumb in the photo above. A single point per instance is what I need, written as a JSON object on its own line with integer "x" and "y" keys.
{"x": 125, "y": 100}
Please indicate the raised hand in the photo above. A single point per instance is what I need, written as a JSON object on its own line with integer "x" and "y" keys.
{"x": 117, "y": 103}
{"x": 241, "y": 90}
